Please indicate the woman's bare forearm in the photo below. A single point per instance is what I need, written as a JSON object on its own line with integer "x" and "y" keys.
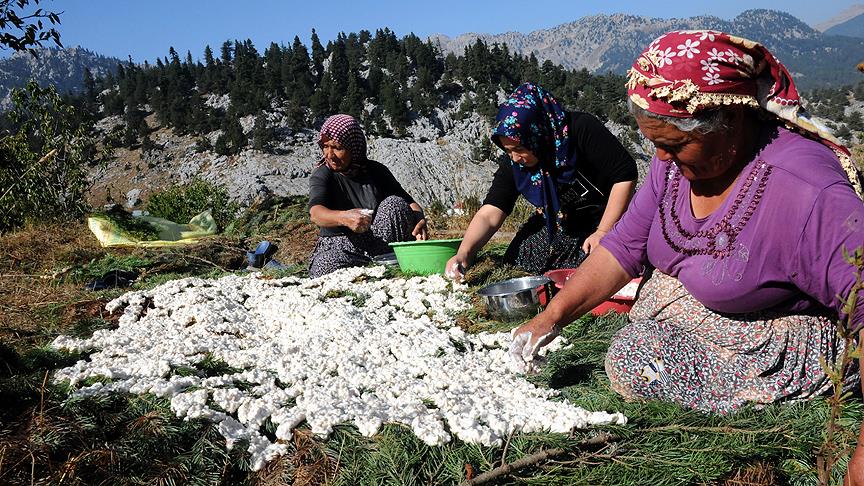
{"x": 594, "y": 281}
{"x": 482, "y": 227}
{"x": 323, "y": 217}
{"x": 619, "y": 199}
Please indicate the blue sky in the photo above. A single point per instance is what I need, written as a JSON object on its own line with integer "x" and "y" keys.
{"x": 146, "y": 29}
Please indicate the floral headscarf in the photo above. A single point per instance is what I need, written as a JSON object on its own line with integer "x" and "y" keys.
{"x": 533, "y": 117}
{"x": 684, "y": 72}
{"x": 346, "y": 130}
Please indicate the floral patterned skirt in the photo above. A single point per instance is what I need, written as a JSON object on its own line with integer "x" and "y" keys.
{"x": 394, "y": 221}
{"x": 675, "y": 349}
{"x": 532, "y": 251}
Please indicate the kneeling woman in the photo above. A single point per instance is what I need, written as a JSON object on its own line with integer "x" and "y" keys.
{"x": 566, "y": 164}
{"x": 358, "y": 204}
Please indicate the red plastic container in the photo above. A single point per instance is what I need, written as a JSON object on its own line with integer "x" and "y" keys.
{"x": 618, "y": 306}
{"x": 560, "y": 276}
{"x": 620, "y": 303}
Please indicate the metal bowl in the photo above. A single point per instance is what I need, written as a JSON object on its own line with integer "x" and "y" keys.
{"x": 516, "y": 298}
{"x": 388, "y": 259}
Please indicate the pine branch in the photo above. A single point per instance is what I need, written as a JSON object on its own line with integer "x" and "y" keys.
{"x": 506, "y": 469}
{"x": 721, "y": 430}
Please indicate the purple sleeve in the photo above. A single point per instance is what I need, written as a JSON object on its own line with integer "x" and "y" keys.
{"x": 628, "y": 240}
{"x": 836, "y": 222}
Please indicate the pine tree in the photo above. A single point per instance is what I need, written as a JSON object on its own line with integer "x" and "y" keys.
{"x": 89, "y": 87}
{"x": 394, "y": 107}
{"x": 423, "y": 97}
{"x": 531, "y": 69}
{"x": 133, "y": 118}
{"x": 209, "y": 62}
{"x": 273, "y": 69}
{"x": 551, "y": 76}
{"x": 221, "y": 146}
{"x": 235, "y": 139}
{"x": 226, "y": 52}
{"x": 354, "y": 52}
{"x": 320, "y": 100}
{"x": 375, "y": 80}
{"x": 352, "y": 103}
{"x": 143, "y": 129}
{"x": 262, "y": 133}
{"x": 208, "y": 73}
{"x": 302, "y": 77}
{"x": 338, "y": 72}
{"x": 318, "y": 56}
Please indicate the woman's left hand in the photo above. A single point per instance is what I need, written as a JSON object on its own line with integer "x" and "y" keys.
{"x": 593, "y": 241}
{"x": 420, "y": 230}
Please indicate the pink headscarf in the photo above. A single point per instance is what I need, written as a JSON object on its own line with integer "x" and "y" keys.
{"x": 346, "y": 130}
{"x": 684, "y": 72}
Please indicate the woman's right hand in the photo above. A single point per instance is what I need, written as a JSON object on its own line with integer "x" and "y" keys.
{"x": 455, "y": 268}
{"x": 357, "y": 220}
{"x": 530, "y": 337}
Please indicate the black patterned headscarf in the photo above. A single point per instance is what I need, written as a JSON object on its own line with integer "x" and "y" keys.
{"x": 346, "y": 130}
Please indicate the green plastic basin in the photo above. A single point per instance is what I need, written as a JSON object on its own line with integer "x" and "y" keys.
{"x": 425, "y": 257}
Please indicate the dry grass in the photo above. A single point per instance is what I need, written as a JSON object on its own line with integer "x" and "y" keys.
{"x": 756, "y": 474}
{"x": 312, "y": 465}
{"x": 36, "y": 301}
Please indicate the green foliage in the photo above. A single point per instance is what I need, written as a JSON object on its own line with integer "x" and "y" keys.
{"x": 126, "y": 439}
{"x": 262, "y": 133}
{"x": 135, "y": 227}
{"x": 43, "y": 176}
{"x": 107, "y": 263}
{"x": 272, "y": 214}
{"x": 406, "y": 78}
{"x": 182, "y": 203}
{"x": 22, "y": 29}
{"x": 210, "y": 365}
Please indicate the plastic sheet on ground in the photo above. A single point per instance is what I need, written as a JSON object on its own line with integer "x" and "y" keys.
{"x": 110, "y": 234}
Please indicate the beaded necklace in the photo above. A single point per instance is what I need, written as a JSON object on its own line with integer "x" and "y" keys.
{"x": 718, "y": 240}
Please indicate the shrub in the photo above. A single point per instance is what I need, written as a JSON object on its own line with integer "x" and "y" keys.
{"x": 42, "y": 174}
{"x": 182, "y": 203}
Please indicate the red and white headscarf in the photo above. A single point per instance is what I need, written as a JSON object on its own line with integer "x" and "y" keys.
{"x": 346, "y": 130}
{"x": 684, "y": 72}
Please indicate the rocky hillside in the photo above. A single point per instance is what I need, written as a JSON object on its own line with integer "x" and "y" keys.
{"x": 64, "y": 68}
{"x": 435, "y": 162}
{"x": 602, "y": 43}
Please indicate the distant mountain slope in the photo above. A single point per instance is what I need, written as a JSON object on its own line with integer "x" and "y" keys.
{"x": 602, "y": 43}
{"x": 848, "y": 14}
{"x": 64, "y": 68}
{"x": 853, "y": 27}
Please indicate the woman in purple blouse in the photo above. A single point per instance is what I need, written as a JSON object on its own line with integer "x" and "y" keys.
{"x": 744, "y": 216}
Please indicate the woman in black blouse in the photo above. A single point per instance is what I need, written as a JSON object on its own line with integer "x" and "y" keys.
{"x": 358, "y": 204}
{"x": 569, "y": 166}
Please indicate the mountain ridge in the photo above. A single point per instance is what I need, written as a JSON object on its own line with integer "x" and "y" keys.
{"x": 848, "y": 14}
{"x": 64, "y": 68}
{"x": 609, "y": 42}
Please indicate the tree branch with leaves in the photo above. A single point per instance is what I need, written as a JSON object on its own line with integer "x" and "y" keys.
{"x": 24, "y": 30}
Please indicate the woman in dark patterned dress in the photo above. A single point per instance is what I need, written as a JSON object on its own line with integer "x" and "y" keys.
{"x": 358, "y": 204}
{"x": 745, "y": 215}
{"x": 568, "y": 166}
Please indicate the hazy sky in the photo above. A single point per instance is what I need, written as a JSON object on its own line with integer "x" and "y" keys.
{"x": 146, "y": 29}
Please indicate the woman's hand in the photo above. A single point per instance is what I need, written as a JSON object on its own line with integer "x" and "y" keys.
{"x": 357, "y": 220}
{"x": 530, "y": 337}
{"x": 593, "y": 241}
{"x": 420, "y": 231}
{"x": 455, "y": 268}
